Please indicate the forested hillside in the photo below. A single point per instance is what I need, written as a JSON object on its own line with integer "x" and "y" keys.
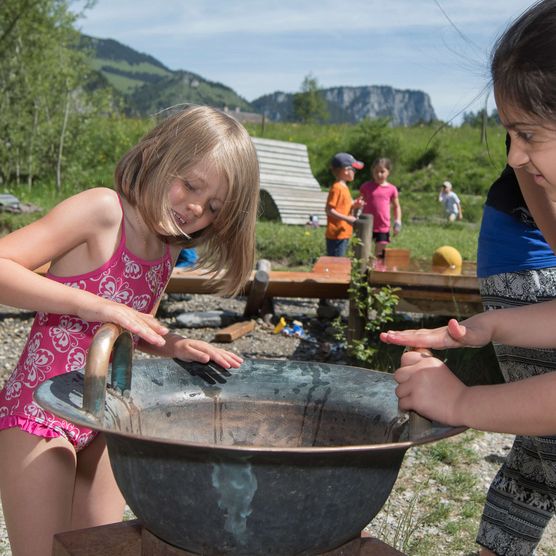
{"x": 147, "y": 86}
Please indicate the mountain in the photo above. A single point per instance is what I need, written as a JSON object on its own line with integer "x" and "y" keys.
{"x": 147, "y": 86}
{"x": 352, "y": 104}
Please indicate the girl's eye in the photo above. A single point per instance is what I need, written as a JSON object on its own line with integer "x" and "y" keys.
{"x": 188, "y": 186}
{"x": 525, "y": 136}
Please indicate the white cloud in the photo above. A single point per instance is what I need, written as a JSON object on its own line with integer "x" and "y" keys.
{"x": 257, "y": 46}
{"x": 214, "y": 17}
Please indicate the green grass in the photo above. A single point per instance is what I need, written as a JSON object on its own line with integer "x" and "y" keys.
{"x": 442, "y": 513}
{"x": 143, "y": 67}
{"x": 300, "y": 247}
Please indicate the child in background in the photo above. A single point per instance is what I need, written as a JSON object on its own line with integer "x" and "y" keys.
{"x": 451, "y": 202}
{"x": 379, "y": 197}
{"x": 192, "y": 180}
{"x": 524, "y": 76}
{"x": 340, "y": 206}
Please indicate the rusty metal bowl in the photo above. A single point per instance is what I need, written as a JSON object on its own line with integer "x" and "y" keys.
{"x": 276, "y": 457}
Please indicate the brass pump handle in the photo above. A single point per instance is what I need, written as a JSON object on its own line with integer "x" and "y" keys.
{"x": 109, "y": 340}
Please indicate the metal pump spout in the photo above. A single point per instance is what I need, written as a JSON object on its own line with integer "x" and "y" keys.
{"x": 109, "y": 341}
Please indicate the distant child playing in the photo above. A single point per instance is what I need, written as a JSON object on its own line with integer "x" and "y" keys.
{"x": 451, "y": 202}
{"x": 379, "y": 197}
{"x": 193, "y": 180}
{"x": 340, "y": 206}
{"x": 524, "y": 79}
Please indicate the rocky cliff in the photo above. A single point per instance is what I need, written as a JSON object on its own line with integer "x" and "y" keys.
{"x": 352, "y": 104}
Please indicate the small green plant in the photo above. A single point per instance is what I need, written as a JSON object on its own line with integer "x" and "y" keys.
{"x": 407, "y": 524}
{"x": 374, "y": 306}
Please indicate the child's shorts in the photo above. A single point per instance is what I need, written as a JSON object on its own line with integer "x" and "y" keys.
{"x": 381, "y": 237}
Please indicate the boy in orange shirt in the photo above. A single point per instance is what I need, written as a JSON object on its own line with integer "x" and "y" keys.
{"x": 340, "y": 206}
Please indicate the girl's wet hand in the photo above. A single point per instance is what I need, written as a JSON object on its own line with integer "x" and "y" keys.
{"x": 145, "y": 326}
{"x": 435, "y": 338}
{"x": 203, "y": 352}
{"x": 427, "y": 386}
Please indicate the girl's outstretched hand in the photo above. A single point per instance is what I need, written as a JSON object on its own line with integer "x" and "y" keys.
{"x": 454, "y": 335}
{"x": 203, "y": 352}
{"x": 145, "y": 326}
{"x": 428, "y": 387}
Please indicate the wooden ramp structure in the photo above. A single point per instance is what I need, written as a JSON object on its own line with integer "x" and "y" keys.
{"x": 289, "y": 191}
{"x": 427, "y": 291}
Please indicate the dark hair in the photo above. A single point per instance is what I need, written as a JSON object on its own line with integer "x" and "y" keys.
{"x": 386, "y": 162}
{"x": 523, "y": 62}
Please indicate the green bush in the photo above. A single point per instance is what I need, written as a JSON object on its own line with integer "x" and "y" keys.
{"x": 289, "y": 246}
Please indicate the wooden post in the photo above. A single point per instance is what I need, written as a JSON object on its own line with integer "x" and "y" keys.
{"x": 258, "y": 289}
{"x": 363, "y": 229}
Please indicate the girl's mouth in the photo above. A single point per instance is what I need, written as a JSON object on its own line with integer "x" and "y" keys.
{"x": 179, "y": 218}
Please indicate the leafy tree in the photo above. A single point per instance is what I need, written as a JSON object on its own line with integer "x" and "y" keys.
{"x": 41, "y": 99}
{"x": 309, "y": 105}
{"x": 371, "y": 139}
{"x": 477, "y": 119}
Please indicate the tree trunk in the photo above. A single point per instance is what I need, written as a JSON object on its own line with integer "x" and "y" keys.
{"x": 32, "y": 146}
{"x": 61, "y": 144}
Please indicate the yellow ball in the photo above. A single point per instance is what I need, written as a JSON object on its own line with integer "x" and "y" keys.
{"x": 447, "y": 256}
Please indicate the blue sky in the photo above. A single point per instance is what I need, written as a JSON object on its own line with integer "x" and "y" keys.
{"x": 257, "y": 47}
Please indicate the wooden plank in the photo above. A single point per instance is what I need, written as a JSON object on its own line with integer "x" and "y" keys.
{"x": 425, "y": 280}
{"x": 333, "y": 265}
{"x": 116, "y": 539}
{"x": 153, "y": 546}
{"x": 431, "y": 293}
{"x": 234, "y": 331}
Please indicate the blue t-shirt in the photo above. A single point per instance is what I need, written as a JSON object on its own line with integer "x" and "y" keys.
{"x": 507, "y": 244}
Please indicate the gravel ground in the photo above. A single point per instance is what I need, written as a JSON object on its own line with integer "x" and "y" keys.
{"x": 14, "y": 326}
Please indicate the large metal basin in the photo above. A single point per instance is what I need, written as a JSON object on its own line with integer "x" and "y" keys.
{"x": 276, "y": 457}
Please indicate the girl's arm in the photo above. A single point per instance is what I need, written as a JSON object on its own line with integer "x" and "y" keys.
{"x": 78, "y": 235}
{"x": 397, "y": 209}
{"x": 528, "y": 326}
{"x": 397, "y": 214}
{"x": 524, "y": 407}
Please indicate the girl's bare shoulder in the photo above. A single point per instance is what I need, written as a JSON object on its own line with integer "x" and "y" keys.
{"x": 101, "y": 204}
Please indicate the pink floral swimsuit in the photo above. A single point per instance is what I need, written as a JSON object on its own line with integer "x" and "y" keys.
{"x": 58, "y": 343}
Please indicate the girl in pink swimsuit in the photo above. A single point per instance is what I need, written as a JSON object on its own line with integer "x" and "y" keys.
{"x": 193, "y": 180}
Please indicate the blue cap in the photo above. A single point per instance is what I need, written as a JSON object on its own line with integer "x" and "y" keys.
{"x": 346, "y": 160}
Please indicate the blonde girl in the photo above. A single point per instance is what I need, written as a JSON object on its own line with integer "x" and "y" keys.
{"x": 193, "y": 180}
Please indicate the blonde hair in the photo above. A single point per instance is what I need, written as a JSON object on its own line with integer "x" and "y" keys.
{"x": 193, "y": 136}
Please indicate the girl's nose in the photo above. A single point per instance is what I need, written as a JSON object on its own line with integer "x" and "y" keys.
{"x": 196, "y": 209}
{"x": 517, "y": 157}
